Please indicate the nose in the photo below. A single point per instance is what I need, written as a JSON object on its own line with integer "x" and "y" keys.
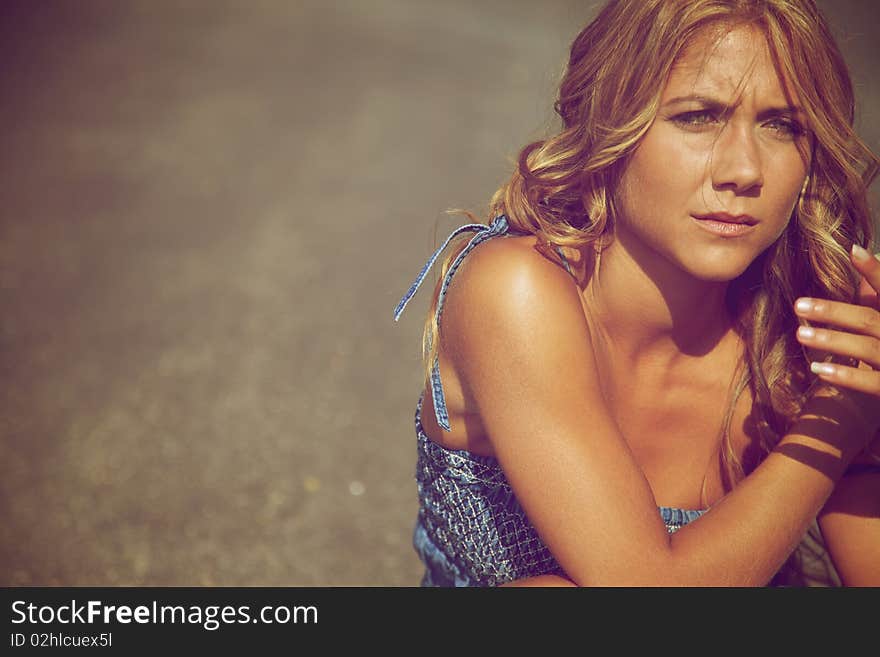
{"x": 737, "y": 160}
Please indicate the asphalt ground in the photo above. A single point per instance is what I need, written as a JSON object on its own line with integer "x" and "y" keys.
{"x": 209, "y": 211}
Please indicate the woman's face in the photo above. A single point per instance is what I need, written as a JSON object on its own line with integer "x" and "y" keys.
{"x": 725, "y": 143}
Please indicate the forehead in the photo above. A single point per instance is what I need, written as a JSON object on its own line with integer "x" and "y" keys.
{"x": 728, "y": 64}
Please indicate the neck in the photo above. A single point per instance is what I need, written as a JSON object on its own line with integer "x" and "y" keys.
{"x": 645, "y": 310}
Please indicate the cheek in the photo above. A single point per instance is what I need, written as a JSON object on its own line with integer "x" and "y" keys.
{"x": 786, "y": 174}
{"x": 675, "y": 159}
{"x": 784, "y": 202}
{"x": 661, "y": 177}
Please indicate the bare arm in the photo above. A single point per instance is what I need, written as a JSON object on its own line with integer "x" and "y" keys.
{"x": 850, "y": 520}
{"x": 850, "y": 524}
{"x": 509, "y": 310}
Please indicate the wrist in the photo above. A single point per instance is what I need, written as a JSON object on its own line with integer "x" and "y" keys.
{"x": 827, "y": 434}
{"x": 853, "y": 426}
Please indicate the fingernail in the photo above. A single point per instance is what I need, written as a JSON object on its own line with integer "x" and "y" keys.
{"x": 806, "y": 332}
{"x": 821, "y": 368}
{"x": 804, "y": 305}
{"x": 860, "y": 254}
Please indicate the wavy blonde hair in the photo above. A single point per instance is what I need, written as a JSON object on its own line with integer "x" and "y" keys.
{"x": 563, "y": 187}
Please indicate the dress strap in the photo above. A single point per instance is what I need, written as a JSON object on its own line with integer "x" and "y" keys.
{"x": 564, "y": 259}
{"x": 499, "y": 226}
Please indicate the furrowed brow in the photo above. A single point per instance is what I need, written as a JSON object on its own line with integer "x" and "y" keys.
{"x": 787, "y": 110}
{"x": 705, "y": 101}
{"x": 715, "y": 104}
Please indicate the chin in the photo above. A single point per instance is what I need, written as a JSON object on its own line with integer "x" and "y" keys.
{"x": 717, "y": 271}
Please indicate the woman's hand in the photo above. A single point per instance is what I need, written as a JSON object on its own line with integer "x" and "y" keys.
{"x": 853, "y": 331}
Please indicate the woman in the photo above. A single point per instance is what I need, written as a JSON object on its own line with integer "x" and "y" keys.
{"x": 664, "y": 312}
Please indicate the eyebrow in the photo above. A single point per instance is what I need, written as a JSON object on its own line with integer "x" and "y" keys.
{"x": 720, "y": 106}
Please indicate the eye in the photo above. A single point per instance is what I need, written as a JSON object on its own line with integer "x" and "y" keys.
{"x": 696, "y": 118}
{"x": 786, "y": 127}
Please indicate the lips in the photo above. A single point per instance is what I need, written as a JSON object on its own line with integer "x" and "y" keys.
{"x": 726, "y": 225}
{"x": 727, "y": 218}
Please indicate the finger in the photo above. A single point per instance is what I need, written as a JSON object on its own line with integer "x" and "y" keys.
{"x": 861, "y": 347}
{"x": 860, "y": 380}
{"x": 859, "y": 319}
{"x": 867, "y": 265}
{"x": 866, "y": 295}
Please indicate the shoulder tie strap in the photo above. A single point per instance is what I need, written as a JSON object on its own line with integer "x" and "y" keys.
{"x": 483, "y": 232}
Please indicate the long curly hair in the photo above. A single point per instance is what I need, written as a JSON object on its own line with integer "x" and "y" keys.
{"x": 562, "y": 189}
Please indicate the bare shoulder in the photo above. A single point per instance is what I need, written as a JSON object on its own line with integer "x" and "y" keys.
{"x": 514, "y": 255}
{"x": 511, "y": 270}
{"x": 509, "y": 303}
